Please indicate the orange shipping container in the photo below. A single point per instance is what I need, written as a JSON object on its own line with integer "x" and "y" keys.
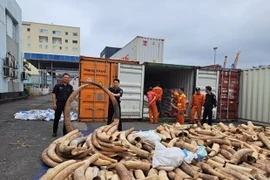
{"x": 93, "y": 102}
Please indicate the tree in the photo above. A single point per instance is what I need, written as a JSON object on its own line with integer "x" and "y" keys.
{"x": 26, "y": 66}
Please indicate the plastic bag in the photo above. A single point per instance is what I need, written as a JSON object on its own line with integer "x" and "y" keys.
{"x": 201, "y": 153}
{"x": 189, "y": 156}
{"x": 167, "y": 156}
{"x": 149, "y": 136}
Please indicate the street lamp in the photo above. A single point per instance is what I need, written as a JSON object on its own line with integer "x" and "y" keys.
{"x": 215, "y": 50}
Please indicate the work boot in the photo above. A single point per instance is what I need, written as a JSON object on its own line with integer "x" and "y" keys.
{"x": 54, "y": 134}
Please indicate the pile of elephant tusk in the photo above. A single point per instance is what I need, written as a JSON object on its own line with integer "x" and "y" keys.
{"x": 240, "y": 152}
{"x": 233, "y": 153}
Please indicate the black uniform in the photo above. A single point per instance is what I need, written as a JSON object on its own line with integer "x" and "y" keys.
{"x": 111, "y": 110}
{"x": 210, "y": 103}
{"x": 62, "y": 94}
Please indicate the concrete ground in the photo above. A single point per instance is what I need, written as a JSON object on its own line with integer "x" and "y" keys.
{"x": 22, "y": 142}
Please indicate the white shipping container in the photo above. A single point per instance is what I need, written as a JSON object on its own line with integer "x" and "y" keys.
{"x": 254, "y": 97}
{"x": 131, "y": 81}
{"x": 142, "y": 49}
{"x": 206, "y": 77}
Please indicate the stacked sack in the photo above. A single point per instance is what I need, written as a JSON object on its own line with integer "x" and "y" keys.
{"x": 145, "y": 107}
{"x": 166, "y": 101}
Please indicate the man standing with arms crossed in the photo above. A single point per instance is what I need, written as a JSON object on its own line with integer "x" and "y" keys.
{"x": 159, "y": 91}
{"x": 117, "y": 92}
{"x": 196, "y": 105}
{"x": 153, "y": 113}
{"x": 60, "y": 95}
{"x": 210, "y": 103}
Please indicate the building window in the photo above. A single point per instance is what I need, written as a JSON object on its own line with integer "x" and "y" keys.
{"x": 60, "y": 47}
{"x": 40, "y": 46}
{"x": 56, "y": 40}
{"x": 11, "y": 27}
{"x": 14, "y": 31}
{"x": 46, "y": 46}
{"x": 29, "y": 45}
{"x": 75, "y": 42}
{"x": 66, "y": 33}
{"x": 66, "y": 48}
{"x": 53, "y": 47}
{"x": 75, "y": 49}
{"x": 75, "y": 34}
{"x": 28, "y": 29}
{"x": 28, "y": 37}
{"x": 57, "y": 32}
{"x": 66, "y": 40}
{"x": 43, "y": 39}
{"x": 45, "y": 31}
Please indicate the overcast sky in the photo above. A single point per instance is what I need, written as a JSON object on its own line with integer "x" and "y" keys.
{"x": 190, "y": 28}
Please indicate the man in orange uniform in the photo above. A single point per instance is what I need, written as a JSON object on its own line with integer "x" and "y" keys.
{"x": 159, "y": 91}
{"x": 196, "y": 104}
{"x": 175, "y": 101}
{"x": 181, "y": 106}
{"x": 153, "y": 113}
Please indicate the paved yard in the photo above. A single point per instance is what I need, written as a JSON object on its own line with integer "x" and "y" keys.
{"x": 22, "y": 142}
{"x": 17, "y": 160}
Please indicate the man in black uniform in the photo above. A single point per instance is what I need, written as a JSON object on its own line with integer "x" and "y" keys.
{"x": 60, "y": 95}
{"x": 117, "y": 92}
{"x": 210, "y": 103}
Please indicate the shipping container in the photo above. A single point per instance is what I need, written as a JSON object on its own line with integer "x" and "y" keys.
{"x": 93, "y": 102}
{"x": 108, "y": 52}
{"x": 171, "y": 76}
{"x": 228, "y": 101}
{"x": 255, "y": 94}
{"x": 142, "y": 49}
{"x": 135, "y": 80}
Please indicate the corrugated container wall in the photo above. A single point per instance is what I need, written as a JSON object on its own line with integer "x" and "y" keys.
{"x": 255, "y": 95}
{"x": 93, "y": 102}
{"x": 142, "y": 49}
{"x": 108, "y": 52}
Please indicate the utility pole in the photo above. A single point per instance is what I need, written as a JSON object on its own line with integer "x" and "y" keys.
{"x": 215, "y": 50}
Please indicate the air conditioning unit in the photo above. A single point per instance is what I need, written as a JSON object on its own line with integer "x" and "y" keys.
{"x": 11, "y": 74}
{"x": 24, "y": 76}
{"x": 15, "y": 64}
{"x": 8, "y": 61}
{"x": 6, "y": 71}
{"x": 15, "y": 74}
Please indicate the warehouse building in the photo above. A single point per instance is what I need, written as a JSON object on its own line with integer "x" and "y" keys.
{"x": 51, "y": 49}
{"x": 11, "y": 64}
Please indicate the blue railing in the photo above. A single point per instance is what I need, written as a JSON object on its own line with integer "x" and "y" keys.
{"x": 51, "y": 57}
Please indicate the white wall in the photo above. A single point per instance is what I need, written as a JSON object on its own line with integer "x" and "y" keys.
{"x": 15, "y": 12}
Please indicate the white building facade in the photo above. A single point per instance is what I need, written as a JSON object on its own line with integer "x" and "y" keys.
{"x": 11, "y": 60}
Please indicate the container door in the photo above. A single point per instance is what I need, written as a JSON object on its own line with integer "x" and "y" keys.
{"x": 93, "y": 100}
{"x": 131, "y": 81}
{"x": 208, "y": 78}
{"x": 228, "y": 94}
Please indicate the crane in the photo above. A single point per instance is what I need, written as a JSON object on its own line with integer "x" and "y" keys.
{"x": 234, "y": 65}
{"x": 225, "y": 62}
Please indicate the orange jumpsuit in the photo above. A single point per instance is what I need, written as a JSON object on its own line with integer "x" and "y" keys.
{"x": 197, "y": 103}
{"x": 181, "y": 105}
{"x": 159, "y": 91}
{"x": 175, "y": 101}
{"x": 153, "y": 112}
